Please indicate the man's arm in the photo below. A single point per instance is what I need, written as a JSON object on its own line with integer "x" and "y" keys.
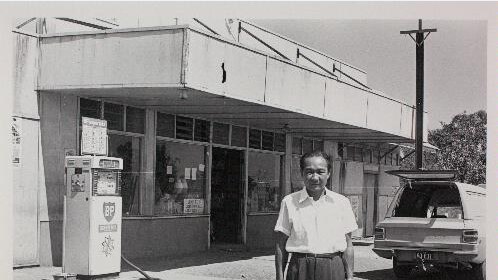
{"x": 281, "y": 254}
{"x": 348, "y": 257}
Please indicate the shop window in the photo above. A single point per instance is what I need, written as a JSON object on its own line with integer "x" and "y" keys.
{"x": 90, "y": 108}
{"x": 318, "y": 145}
{"x": 367, "y": 155}
{"x": 264, "y": 182}
{"x": 221, "y": 133}
{"x": 267, "y": 140}
{"x": 297, "y": 182}
{"x": 129, "y": 149}
{"x": 135, "y": 120}
{"x": 165, "y": 125}
{"x": 184, "y": 128}
{"x": 114, "y": 115}
{"x": 376, "y": 157}
{"x": 307, "y": 145}
{"x": 340, "y": 150}
{"x": 255, "y": 138}
{"x": 201, "y": 131}
{"x": 350, "y": 153}
{"x": 239, "y": 136}
{"x": 280, "y": 142}
{"x": 358, "y": 154}
{"x": 296, "y": 146}
{"x": 180, "y": 185}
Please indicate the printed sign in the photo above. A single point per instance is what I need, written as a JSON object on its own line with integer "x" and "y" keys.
{"x": 16, "y": 142}
{"x": 108, "y": 228}
{"x": 93, "y": 136}
{"x": 109, "y": 209}
{"x": 193, "y": 206}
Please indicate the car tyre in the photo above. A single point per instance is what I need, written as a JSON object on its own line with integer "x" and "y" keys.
{"x": 479, "y": 271}
{"x": 401, "y": 271}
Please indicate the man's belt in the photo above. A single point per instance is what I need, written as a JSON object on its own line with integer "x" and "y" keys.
{"x": 325, "y": 256}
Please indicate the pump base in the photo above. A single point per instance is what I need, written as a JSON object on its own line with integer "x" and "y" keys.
{"x": 98, "y": 277}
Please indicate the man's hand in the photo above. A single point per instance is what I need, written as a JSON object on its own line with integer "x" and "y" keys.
{"x": 281, "y": 254}
{"x": 348, "y": 258}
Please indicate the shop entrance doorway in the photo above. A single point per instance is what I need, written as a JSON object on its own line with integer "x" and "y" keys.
{"x": 227, "y": 195}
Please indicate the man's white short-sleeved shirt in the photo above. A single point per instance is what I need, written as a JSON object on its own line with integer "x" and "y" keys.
{"x": 316, "y": 227}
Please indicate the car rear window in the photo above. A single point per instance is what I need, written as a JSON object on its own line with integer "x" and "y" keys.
{"x": 428, "y": 201}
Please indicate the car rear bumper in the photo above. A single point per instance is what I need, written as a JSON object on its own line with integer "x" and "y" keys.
{"x": 408, "y": 254}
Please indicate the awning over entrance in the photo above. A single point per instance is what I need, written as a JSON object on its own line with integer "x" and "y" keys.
{"x": 182, "y": 70}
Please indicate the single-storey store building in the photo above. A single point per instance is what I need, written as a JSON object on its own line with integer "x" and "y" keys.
{"x": 197, "y": 115}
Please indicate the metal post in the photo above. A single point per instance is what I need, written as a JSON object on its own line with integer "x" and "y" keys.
{"x": 419, "y": 97}
{"x": 419, "y": 121}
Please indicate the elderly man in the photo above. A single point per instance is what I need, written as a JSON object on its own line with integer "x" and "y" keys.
{"x": 315, "y": 226}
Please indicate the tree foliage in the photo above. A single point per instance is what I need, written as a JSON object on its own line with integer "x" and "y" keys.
{"x": 462, "y": 144}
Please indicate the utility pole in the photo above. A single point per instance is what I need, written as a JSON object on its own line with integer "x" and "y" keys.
{"x": 420, "y": 36}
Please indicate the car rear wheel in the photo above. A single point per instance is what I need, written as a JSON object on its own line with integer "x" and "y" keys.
{"x": 479, "y": 271}
{"x": 401, "y": 271}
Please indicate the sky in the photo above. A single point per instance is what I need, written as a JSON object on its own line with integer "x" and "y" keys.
{"x": 454, "y": 64}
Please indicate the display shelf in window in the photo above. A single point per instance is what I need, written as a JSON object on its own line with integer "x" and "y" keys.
{"x": 180, "y": 184}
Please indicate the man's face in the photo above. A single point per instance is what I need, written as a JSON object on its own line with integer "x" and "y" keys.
{"x": 315, "y": 173}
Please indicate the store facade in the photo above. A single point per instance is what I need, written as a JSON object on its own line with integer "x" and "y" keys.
{"x": 210, "y": 132}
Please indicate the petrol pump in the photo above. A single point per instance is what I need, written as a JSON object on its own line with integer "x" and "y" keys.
{"x": 92, "y": 224}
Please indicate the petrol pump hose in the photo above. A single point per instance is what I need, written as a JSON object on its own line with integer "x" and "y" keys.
{"x": 138, "y": 269}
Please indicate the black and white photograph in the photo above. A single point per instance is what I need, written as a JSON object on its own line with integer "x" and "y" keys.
{"x": 250, "y": 140}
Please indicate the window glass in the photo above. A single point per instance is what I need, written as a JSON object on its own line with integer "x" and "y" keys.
{"x": 296, "y": 146}
{"x": 297, "y": 182}
{"x": 367, "y": 155}
{"x": 135, "y": 120}
{"x": 114, "y": 115}
{"x": 255, "y": 138}
{"x": 358, "y": 154}
{"x": 90, "y": 108}
{"x": 129, "y": 149}
{"x": 184, "y": 128}
{"x": 350, "y": 153}
{"x": 267, "y": 140}
{"x": 376, "y": 156}
{"x": 239, "y": 136}
{"x": 280, "y": 142}
{"x": 318, "y": 145}
{"x": 221, "y": 132}
{"x": 429, "y": 201}
{"x": 264, "y": 182}
{"x": 165, "y": 125}
{"x": 201, "y": 131}
{"x": 307, "y": 145}
{"x": 180, "y": 185}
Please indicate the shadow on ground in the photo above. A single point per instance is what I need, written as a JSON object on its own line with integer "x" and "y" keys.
{"x": 212, "y": 256}
{"x": 387, "y": 274}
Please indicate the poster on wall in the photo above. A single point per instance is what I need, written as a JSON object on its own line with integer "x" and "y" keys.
{"x": 193, "y": 206}
{"x": 16, "y": 142}
{"x": 93, "y": 136}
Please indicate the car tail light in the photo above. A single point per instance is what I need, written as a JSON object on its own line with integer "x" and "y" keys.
{"x": 380, "y": 233}
{"x": 470, "y": 236}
